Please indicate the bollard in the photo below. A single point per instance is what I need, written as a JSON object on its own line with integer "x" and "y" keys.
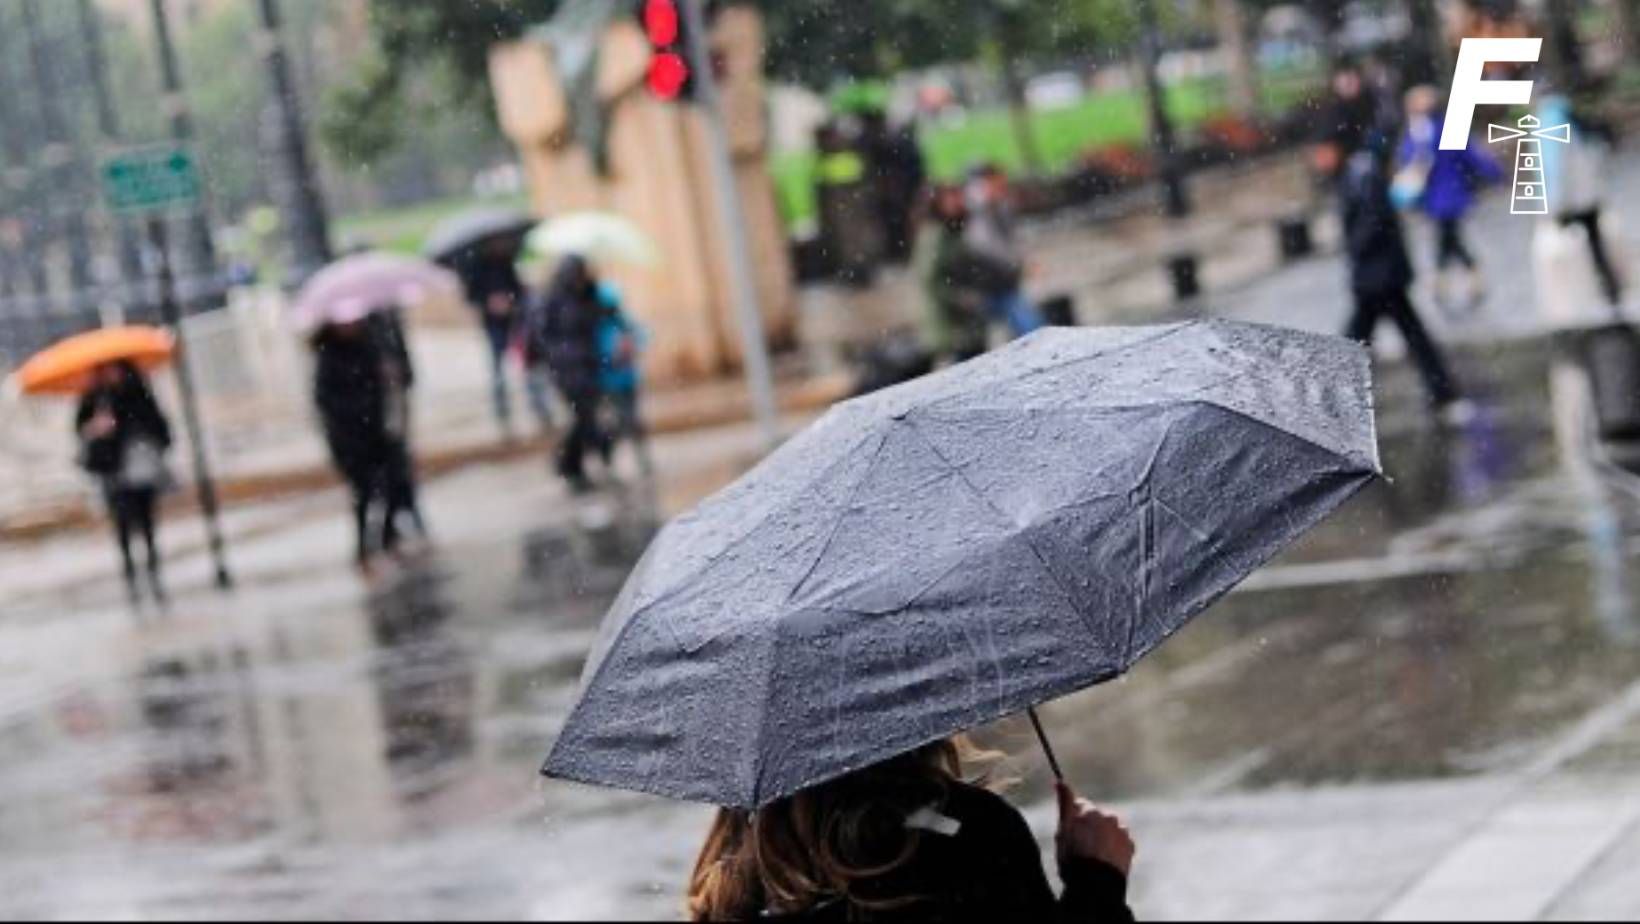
{"x": 1185, "y": 272}
{"x": 1059, "y": 311}
{"x": 1295, "y": 239}
{"x": 1611, "y": 355}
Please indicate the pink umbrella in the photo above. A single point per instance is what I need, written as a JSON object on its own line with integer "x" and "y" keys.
{"x": 353, "y": 288}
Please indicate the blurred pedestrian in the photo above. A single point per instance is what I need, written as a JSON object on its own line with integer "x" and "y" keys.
{"x": 848, "y": 204}
{"x": 353, "y": 395}
{"x": 899, "y": 173}
{"x": 908, "y": 840}
{"x": 993, "y": 230}
{"x": 564, "y": 325}
{"x": 620, "y": 346}
{"x": 124, "y": 437}
{"x": 959, "y": 282}
{"x": 1577, "y": 173}
{"x": 1442, "y": 185}
{"x": 399, "y": 374}
{"x": 495, "y": 291}
{"x": 1352, "y": 114}
{"x": 1381, "y": 273}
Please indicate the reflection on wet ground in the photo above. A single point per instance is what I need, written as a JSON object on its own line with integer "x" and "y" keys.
{"x": 307, "y": 749}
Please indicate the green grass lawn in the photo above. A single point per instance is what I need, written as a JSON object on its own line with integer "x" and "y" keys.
{"x": 1062, "y": 137}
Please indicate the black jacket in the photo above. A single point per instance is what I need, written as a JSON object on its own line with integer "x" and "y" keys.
{"x": 564, "y": 326}
{"x": 136, "y": 416}
{"x": 483, "y": 276}
{"x": 990, "y": 870}
{"x": 350, "y": 391}
{"x": 1379, "y": 263}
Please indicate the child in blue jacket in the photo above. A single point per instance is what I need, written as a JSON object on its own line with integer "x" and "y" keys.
{"x": 620, "y": 344}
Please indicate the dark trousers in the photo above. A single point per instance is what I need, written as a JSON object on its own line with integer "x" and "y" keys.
{"x": 1450, "y": 247}
{"x": 403, "y": 492}
{"x": 499, "y": 334}
{"x": 1395, "y": 306}
{"x": 133, "y": 512}
{"x": 585, "y": 434}
{"x": 1590, "y": 221}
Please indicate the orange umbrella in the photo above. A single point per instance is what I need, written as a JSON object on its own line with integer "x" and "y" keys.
{"x": 66, "y": 369}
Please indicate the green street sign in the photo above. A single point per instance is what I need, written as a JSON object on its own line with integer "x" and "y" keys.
{"x": 155, "y": 179}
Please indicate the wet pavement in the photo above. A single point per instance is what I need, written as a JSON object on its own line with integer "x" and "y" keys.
{"x": 1431, "y": 705}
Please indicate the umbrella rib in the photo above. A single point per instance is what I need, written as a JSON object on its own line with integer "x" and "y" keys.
{"x": 837, "y": 525}
{"x": 1024, "y": 534}
{"x": 1151, "y": 340}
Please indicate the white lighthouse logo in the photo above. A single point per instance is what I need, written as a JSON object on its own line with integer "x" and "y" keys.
{"x": 1470, "y": 89}
{"x": 1531, "y": 194}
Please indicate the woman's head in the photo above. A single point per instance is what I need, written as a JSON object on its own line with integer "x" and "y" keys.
{"x": 949, "y": 206}
{"x": 574, "y": 276}
{"x": 118, "y": 374}
{"x": 828, "y": 843}
{"x": 1422, "y": 101}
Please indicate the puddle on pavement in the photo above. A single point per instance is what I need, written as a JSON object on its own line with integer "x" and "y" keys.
{"x": 326, "y": 753}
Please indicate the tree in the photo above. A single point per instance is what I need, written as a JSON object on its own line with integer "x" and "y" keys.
{"x": 364, "y": 119}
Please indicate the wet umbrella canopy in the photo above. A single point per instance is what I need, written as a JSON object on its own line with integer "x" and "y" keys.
{"x": 953, "y": 551}
{"x": 459, "y": 236}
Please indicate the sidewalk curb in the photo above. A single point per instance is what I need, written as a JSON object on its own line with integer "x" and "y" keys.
{"x": 808, "y": 395}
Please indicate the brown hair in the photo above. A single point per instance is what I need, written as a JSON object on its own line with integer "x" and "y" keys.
{"x": 825, "y": 844}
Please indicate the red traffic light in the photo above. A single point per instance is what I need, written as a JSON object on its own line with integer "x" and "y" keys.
{"x": 660, "y": 20}
{"x": 668, "y": 75}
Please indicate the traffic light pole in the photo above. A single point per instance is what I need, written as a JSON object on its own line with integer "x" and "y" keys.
{"x": 732, "y": 216}
{"x": 171, "y": 311}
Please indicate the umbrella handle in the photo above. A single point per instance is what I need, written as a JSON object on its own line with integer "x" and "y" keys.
{"x": 1047, "y": 746}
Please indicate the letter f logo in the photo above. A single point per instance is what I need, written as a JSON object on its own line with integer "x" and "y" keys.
{"x": 1471, "y": 89}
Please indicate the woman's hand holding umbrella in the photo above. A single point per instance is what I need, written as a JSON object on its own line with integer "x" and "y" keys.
{"x": 1086, "y": 833}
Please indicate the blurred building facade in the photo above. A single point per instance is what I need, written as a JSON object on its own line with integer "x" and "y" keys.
{"x": 658, "y": 177}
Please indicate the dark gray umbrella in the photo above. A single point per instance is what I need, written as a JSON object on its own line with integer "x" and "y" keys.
{"x": 946, "y": 553}
{"x": 474, "y": 228}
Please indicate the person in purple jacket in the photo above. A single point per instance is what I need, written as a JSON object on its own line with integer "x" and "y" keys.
{"x": 1442, "y": 184}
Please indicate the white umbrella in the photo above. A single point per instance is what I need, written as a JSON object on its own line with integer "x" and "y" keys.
{"x": 597, "y": 236}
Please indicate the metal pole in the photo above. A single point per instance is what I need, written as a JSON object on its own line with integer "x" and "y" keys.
{"x": 1164, "y": 141}
{"x": 108, "y": 124}
{"x": 62, "y": 161}
{"x": 203, "y": 482}
{"x": 296, "y": 186}
{"x": 732, "y": 216}
{"x": 20, "y": 181}
{"x": 199, "y": 253}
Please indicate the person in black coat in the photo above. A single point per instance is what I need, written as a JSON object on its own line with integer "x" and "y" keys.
{"x": 564, "y": 327}
{"x": 908, "y": 840}
{"x": 1381, "y": 273}
{"x": 495, "y": 291}
{"x": 123, "y": 440}
{"x": 351, "y": 391}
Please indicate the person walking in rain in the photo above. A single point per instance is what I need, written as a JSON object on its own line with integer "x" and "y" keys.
{"x": 564, "y": 326}
{"x": 124, "y": 437}
{"x": 352, "y": 392}
{"x": 1381, "y": 273}
{"x": 993, "y": 230}
{"x": 1578, "y": 175}
{"x": 495, "y": 291}
{"x": 620, "y": 345}
{"x": 403, "y": 494}
{"x": 908, "y": 840}
{"x": 958, "y": 281}
{"x": 1442, "y": 185}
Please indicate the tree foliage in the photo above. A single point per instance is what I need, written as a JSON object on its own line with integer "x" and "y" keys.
{"x": 810, "y": 43}
{"x": 435, "y": 51}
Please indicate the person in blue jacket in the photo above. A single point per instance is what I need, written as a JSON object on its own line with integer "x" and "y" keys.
{"x": 620, "y": 344}
{"x": 1442, "y": 184}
